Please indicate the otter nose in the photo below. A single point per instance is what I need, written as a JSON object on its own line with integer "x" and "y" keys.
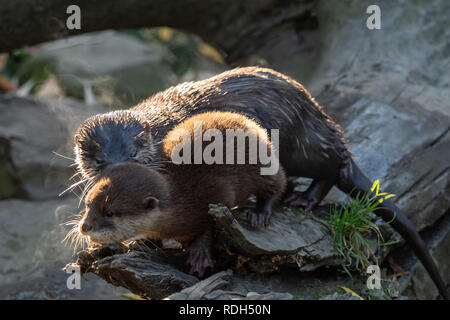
{"x": 86, "y": 227}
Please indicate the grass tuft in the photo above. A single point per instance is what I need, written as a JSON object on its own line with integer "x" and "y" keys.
{"x": 352, "y": 225}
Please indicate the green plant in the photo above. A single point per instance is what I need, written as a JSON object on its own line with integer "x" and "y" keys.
{"x": 352, "y": 224}
{"x": 14, "y": 62}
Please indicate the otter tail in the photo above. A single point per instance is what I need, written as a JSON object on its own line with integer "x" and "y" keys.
{"x": 352, "y": 181}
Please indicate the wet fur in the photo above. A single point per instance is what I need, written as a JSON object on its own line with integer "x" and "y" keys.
{"x": 183, "y": 191}
{"x": 311, "y": 144}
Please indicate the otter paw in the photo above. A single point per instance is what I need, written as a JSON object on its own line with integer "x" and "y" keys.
{"x": 258, "y": 219}
{"x": 199, "y": 259}
{"x": 299, "y": 200}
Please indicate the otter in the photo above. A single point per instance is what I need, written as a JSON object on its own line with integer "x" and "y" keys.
{"x": 131, "y": 200}
{"x": 312, "y": 145}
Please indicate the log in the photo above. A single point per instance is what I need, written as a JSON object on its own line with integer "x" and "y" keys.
{"x": 233, "y": 26}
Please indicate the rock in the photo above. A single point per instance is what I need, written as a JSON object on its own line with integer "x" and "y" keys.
{"x": 427, "y": 196}
{"x": 117, "y": 69}
{"x": 290, "y": 239}
{"x": 10, "y": 184}
{"x": 424, "y": 156}
{"x": 395, "y": 113}
{"x": 387, "y": 89}
{"x": 219, "y": 287}
{"x": 37, "y": 134}
{"x": 30, "y": 233}
{"x": 337, "y": 296}
{"x": 210, "y": 288}
{"x": 148, "y": 273}
{"x": 33, "y": 254}
{"x": 268, "y": 296}
{"x": 420, "y": 284}
{"x": 49, "y": 283}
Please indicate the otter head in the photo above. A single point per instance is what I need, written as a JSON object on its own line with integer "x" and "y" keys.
{"x": 127, "y": 201}
{"x": 114, "y": 137}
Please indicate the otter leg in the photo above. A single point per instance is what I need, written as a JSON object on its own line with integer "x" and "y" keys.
{"x": 269, "y": 189}
{"x": 312, "y": 196}
{"x": 200, "y": 253}
{"x": 262, "y": 213}
{"x": 290, "y": 186}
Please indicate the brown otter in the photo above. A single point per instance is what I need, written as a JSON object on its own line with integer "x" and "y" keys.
{"x": 311, "y": 144}
{"x": 132, "y": 200}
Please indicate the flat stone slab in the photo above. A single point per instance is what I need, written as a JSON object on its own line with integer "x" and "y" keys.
{"x": 287, "y": 233}
{"x": 149, "y": 274}
{"x": 292, "y": 239}
{"x": 219, "y": 287}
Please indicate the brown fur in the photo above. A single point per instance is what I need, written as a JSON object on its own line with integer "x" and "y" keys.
{"x": 311, "y": 144}
{"x": 182, "y": 194}
{"x": 231, "y": 184}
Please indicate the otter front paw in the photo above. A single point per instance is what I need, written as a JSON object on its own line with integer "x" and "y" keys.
{"x": 199, "y": 259}
{"x": 258, "y": 219}
{"x": 261, "y": 216}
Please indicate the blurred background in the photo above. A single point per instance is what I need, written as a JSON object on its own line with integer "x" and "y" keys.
{"x": 388, "y": 88}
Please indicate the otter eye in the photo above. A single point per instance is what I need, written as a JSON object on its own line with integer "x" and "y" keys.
{"x": 109, "y": 214}
{"x": 99, "y": 161}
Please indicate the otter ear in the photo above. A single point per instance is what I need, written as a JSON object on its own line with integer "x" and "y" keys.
{"x": 77, "y": 138}
{"x": 150, "y": 203}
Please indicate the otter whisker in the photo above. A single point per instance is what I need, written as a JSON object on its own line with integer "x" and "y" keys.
{"x": 85, "y": 190}
{"x": 70, "y": 223}
{"x": 76, "y": 174}
{"x": 63, "y": 156}
{"x": 68, "y": 236}
{"x": 71, "y": 235}
{"x": 87, "y": 187}
{"x": 70, "y": 188}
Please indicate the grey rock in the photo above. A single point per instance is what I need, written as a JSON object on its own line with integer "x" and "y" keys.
{"x": 219, "y": 287}
{"x": 337, "y": 296}
{"x": 33, "y": 253}
{"x": 419, "y": 284}
{"x": 146, "y": 273}
{"x": 387, "y": 89}
{"x": 207, "y": 289}
{"x": 39, "y": 133}
{"x": 10, "y": 184}
{"x": 291, "y": 238}
{"x": 31, "y": 234}
{"x": 114, "y": 67}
